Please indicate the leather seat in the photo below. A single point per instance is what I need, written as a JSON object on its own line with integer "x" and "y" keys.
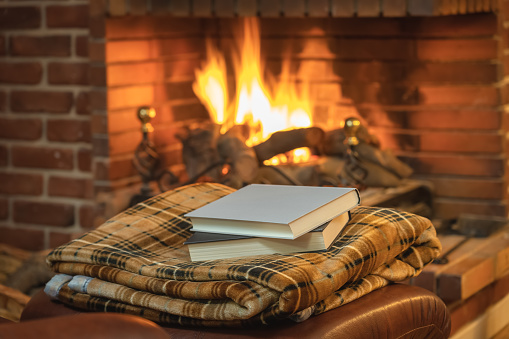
{"x": 395, "y": 311}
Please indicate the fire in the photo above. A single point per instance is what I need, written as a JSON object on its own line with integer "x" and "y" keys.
{"x": 265, "y": 106}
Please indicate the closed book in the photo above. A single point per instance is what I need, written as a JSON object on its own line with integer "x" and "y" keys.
{"x": 273, "y": 211}
{"x": 211, "y": 246}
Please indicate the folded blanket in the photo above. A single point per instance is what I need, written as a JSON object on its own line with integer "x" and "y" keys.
{"x": 137, "y": 263}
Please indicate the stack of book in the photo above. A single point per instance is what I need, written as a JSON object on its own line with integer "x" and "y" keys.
{"x": 264, "y": 219}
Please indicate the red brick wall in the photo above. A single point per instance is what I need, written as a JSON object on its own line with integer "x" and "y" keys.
{"x": 46, "y": 183}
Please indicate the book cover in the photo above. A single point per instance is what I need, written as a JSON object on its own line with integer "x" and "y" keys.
{"x": 275, "y": 211}
{"x": 212, "y": 246}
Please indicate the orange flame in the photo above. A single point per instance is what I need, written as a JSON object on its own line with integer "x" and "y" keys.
{"x": 266, "y": 108}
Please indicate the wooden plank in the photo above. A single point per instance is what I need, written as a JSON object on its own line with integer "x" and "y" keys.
{"x": 463, "y": 279}
{"x": 428, "y": 277}
{"x": 160, "y": 7}
{"x": 468, "y": 310}
{"x": 488, "y": 324}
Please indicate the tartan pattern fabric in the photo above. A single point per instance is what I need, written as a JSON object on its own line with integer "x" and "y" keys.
{"x": 137, "y": 263}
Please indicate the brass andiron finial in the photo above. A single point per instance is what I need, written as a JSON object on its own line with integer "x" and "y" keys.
{"x": 145, "y": 114}
{"x": 352, "y": 125}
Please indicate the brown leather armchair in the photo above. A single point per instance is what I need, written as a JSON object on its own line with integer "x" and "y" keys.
{"x": 395, "y": 311}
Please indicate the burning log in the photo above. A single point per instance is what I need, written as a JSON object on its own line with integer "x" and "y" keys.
{"x": 241, "y": 158}
{"x": 285, "y": 141}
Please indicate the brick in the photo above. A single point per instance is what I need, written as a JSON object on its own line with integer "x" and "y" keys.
{"x": 57, "y": 45}
{"x": 3, "y": 48}
{"x": 467, "y": 188}
{"x": 466, "y": 119}
{"x": 68, "y": 73}
{"x": 3, "y": 101}
{"x": 97, "y": 8}
{"x": 121, "y": 168}
{"x": 67, "y": 16}
{"x": 60, "y": 238}
{"x": 457, "y": 49}
{"x": 124, "y": 143}
{"x": 70, "y": 187}
{"x": 160, "y": 7}
{"x": 97, "y": 27}
{"x": 294, "y": 8}
{"x": 224, "y": 8}
{"x": 459, "y": 95}
{"x": 99, "y": 124}
{"x": 29, "y": 73}
{"x": 394, "y": 8}
{"x": 26, "y": 239}
{"x": 319, "y": 8}
{"x": 43, "y": 213}
{"x": 447, "y": 208}
{"x": 138, "y": 7}
{"x": 247, "y": 8}
{"x": 343, "y": 8}
{"x": 96, "y": 51}
{"x": 97, "y": 75}
{"x": 41, "y": 157}
{"x": 82, "y": 46}
{"x": 83, "y": 103}
{"x": 26, "y": 17}
{"x": 102, "y": 171}
{"x": 20, "y": 129}
{"x": 269, "y": 8}
{"x": 90, "y": 216}
{"x": 4, "y": 209}
{"x": 17, "y": 183}
{"x": 41, "y": 101}
{"x": 100, "y": 145}
{"x": 97, "y": 100}
{"x": 4, "y": 154}
{"x": 455, "y": 164}
{"x": 368, "y": 8}
{"x": 69, "y": 130}
{"x": 85, "y": 160}
{"x": 202, "y": 8}
{"x": 440, "y": 141}
{"x": 179, "y": 8}
{"x": 117, "y": 8}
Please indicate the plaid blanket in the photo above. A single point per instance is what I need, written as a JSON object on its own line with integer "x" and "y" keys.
{"x": 136, "y": 263}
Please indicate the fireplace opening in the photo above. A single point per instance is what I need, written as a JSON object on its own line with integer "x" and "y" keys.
{"x": 424, "y": 87}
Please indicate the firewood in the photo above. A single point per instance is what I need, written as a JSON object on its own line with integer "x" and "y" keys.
{"x": 285, "y": 141}
{"x": 241, "y": 158}
{"x": 199, "y": 150}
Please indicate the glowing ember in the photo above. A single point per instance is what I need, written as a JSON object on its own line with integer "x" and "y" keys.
{"x": 266, "y": 108}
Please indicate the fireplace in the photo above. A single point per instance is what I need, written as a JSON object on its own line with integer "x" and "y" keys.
{"x": 426, "y": 77}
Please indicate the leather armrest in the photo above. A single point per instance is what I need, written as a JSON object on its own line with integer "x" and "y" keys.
{"x": 86, "y": 326}
{"x": 395, "y": 311}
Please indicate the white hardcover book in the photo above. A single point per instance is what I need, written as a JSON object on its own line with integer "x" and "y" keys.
{"x": 273, "y": 211}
